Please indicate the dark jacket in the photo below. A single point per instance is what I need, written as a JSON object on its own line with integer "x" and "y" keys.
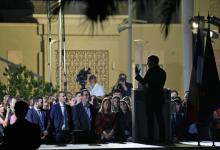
{"x": 56, "y": 117}
{"x": 22, "y": 135}
{"x": 153, "y": 82}
{"x": 80, "y": 117}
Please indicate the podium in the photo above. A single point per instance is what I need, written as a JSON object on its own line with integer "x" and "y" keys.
{"x": 139, "y": 121}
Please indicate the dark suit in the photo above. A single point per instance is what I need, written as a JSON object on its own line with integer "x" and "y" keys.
{"x": 22, "y": 135}
{"x": 153, "y": 82}
{"x": 33, "y": 116}
{"x": 80, "y": 117}
{"x": 57, "y": 121}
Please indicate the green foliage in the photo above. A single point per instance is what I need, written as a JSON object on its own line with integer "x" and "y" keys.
{"x": 3, "y": 90}
{"x": 21, "y": 82}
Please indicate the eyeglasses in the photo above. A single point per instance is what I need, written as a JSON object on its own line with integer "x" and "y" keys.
{"x": 86, "y": 94}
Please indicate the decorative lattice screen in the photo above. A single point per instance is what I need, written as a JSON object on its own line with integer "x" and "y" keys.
{"x": 97, "y": 60}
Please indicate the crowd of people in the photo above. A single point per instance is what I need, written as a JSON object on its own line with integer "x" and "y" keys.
{"x": 90, "y": 112}
{"x": 92, "y": 116}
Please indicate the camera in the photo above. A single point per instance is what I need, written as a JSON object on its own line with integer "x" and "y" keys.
{"x": 122, "y": 79}
{"x": 82, "y": 77}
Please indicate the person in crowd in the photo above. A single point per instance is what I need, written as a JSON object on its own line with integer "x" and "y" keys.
{"x": 123, "y": 85}
{"x": 95, "y": 102}
{"x": 127, "y": 99}
{"x": 115, "y": 104}
{"x": 11, "y": 105}
{"x": 78, "y": 97}
{"x": 69, "y": 97}
{"x": 174, "y": 94}
{"x": 177, "y": 120}
{"x": 153, "y": 83}
{"x": 22, "y": 134}
{"x": 106, "y": 122}
{"x": 95, "y": 88}
{"x": 3, "y": 119}
{"x": 39, "y": 117}
{"x": 84, "y": 113}
{"x": 216, "y": 121}
{"x": 61, "y": 119}
{"x": 124, "y": 122}
{"x": 117, "y": 92}
{"x": 5, "y": 100}
{"x": 46, "y": 104}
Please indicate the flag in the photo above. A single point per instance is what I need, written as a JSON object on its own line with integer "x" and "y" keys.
{"x": 196, "y": 80}
{"x": 210, "y": 79}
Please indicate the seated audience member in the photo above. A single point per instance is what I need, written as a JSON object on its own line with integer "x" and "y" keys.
{"x": 117, "y": 92}
{"x": 127, "y": 99}
{"x": 124, "y": 122}
{"x": 106, "y": 122}
{"x": 115, "y": 104}
{"x": 22, "y": 134}
{"x": 95, "y": 88}
{"x": 123, "y": 85}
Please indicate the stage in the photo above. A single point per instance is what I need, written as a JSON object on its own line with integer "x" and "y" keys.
{"x": 133, "y": 146}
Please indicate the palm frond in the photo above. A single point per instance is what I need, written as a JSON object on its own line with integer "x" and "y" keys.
{"x": 168, "y": 8}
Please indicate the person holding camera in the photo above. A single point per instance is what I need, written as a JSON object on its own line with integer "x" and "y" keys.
{"x": 123, "y": 85}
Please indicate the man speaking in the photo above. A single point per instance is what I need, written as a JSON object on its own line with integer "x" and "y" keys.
{"x": 153, "y": 83}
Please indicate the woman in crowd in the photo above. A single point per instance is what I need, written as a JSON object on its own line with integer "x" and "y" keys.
{"x": 124, "y": 122}
{"x": 3, "y": 119}
{"x": 105, "y": 124}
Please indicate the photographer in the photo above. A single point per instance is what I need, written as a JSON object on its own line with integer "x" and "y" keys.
{"x": 81, "y": 77}
{"x": 123, "y": 85}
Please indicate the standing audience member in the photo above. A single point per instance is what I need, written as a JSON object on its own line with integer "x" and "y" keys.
{"x": 123, "y": 85}
{"x": 39, "y": 117}
{"x": 3, "y": 119}
{"x": 11, "y": 104}
{"x": 153, "y": 83}
{"x": 95, "y": 88}
{"x": 22, "y": 134}
{"x": 84, "y": 113}
{"x": 61, "y": 119}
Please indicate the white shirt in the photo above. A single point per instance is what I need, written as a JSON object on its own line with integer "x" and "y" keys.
{"x": 97, "y": 90}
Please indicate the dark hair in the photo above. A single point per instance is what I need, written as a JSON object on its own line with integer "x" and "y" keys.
{"x": 77, "y": 93}
{"x": 83, "y": 90}
{"x": 116, "y": 91}
{"x": 175, "y": 91}
{"x": 36, "y": 99}
{"x": 153, "y": 59}
{"x": 92, "y": 77}
{"x": 21, "y": 108}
